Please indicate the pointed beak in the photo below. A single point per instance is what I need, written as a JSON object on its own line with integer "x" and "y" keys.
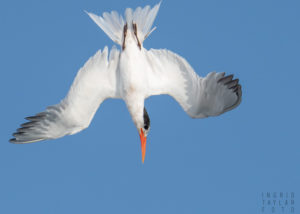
{"x": 143, "y": 144}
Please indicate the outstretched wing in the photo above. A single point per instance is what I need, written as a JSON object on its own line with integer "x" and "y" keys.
{"x": 199, "y": 97}
{"x": 95, "y": 82}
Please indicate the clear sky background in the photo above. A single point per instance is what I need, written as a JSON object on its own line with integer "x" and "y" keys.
{"x": 214, "y": 165}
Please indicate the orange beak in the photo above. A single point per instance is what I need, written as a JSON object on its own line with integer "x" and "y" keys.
{"x": 143, "y": 144}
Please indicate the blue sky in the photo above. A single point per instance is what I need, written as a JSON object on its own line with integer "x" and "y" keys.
{"x": 214, "y": 165}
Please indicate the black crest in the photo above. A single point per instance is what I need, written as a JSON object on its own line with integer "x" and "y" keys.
{"x": 146, "y": 120}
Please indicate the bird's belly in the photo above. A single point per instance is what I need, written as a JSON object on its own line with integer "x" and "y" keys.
{"x": 133, "y": 72}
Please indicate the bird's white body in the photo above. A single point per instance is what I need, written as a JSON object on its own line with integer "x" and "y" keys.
{"x": 134, "y": 85}
{"x": 132, "y": 74}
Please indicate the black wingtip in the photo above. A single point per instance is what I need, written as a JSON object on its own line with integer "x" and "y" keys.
{"x": 23, "y": 129}
{"x": 232, "y": 84}
{"x": 28, "y": 124}
{"x": 16, "y": 134}
{"x": 36, "y": 117}
{"x": 225, "y": 79}
{"x": 13, "y": 140}
{"x": 238, "y": 90}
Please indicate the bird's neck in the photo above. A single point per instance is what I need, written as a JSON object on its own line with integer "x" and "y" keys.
{"x": 135, "y": 105}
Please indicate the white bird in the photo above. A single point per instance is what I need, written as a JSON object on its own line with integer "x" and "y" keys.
{"x": 132, "y": 74}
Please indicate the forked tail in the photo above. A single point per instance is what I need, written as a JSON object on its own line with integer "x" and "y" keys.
{"x": 112, "y": 23}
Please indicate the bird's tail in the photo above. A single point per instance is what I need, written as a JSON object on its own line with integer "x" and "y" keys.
{"x": 112, "y": 23}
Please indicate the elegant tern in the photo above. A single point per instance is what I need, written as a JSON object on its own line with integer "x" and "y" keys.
{"x": 132, "y": 74}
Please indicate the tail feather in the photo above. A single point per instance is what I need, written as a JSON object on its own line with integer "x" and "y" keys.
{"x": 144, "y": 19}
{"x": 112, "y": 23}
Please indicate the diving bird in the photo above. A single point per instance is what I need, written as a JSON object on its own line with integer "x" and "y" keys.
{"x": 132, "y": 74}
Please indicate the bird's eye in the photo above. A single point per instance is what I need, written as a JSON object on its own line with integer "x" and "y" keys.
{"x": 146, "y": 127}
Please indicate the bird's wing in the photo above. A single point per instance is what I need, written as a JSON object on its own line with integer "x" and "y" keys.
{"x": 199, "y": 97}
{"x": 95, "y": 82}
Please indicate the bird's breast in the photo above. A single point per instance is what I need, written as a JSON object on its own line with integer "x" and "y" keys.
{"x": 133, "y": 72}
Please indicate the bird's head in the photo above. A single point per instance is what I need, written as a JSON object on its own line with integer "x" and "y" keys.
{"x": 144, "y": 129}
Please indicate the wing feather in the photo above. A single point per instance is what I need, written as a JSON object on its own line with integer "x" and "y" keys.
{"x": 199, "y": 97}
{"x": 95, "y": 82}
